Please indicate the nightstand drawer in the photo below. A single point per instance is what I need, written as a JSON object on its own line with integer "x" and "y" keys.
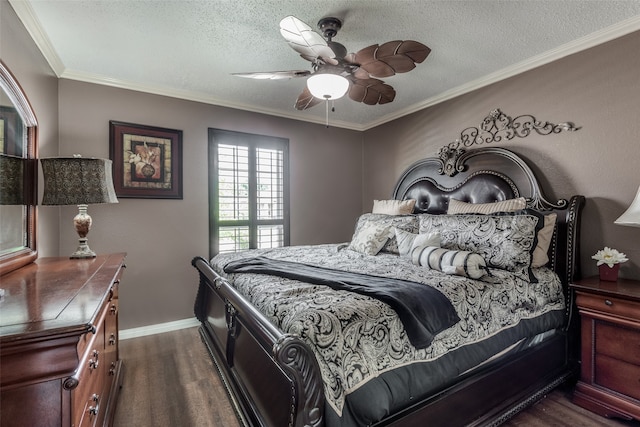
{"x": 618, "y": 342}
{"x": 608, "y": 305}
{"x": 618, "y": 375}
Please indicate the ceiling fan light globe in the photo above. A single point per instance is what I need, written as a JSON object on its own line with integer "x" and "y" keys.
{"x": 327, "y": 86}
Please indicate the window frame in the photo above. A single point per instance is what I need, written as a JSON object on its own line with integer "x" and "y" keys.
{"x": 253, "y": 142}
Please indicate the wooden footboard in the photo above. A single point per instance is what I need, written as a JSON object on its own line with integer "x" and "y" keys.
{"x": 273, "y": 379}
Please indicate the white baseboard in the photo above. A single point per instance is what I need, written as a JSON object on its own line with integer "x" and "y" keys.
{"x": 159, "y": 328}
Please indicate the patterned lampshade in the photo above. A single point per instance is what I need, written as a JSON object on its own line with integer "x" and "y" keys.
{"x": 77, "y": 181}
{"x": 12, "y": 179}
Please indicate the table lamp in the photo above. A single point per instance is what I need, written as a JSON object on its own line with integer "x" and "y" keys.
{"x": 631, "y": 216}
{"x": 78, "y": 181}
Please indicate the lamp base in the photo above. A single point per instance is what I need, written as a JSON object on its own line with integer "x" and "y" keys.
{"x": 82, "y": 223}
{"x": 83, "y": 251}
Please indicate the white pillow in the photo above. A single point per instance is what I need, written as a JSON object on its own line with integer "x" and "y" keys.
{"x": 510, "y": 205}
{"x": 370, "y": 237}
{"x": 461, "y": 263}
{"x": 393, "y": 207}
{"x": 407, "y": 240}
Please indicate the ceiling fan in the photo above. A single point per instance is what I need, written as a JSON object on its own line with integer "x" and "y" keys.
{"x": 359, "y": 72}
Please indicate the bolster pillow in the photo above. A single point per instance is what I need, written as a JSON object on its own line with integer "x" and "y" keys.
{"x": 462, "y": 263}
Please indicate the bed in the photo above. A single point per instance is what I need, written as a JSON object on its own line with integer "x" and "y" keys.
{"x": 316, "y": 335}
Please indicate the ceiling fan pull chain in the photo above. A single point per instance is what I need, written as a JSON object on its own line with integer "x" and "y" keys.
{"x": 327, "y": 112}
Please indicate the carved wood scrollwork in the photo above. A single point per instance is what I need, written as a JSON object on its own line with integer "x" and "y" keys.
{"x": 232, "y": 330}
{"x": 496, "y": 127}
{"x": 295, "y": 356}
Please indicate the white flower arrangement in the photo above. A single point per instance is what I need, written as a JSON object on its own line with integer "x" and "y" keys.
{"x": 609, "y": 256}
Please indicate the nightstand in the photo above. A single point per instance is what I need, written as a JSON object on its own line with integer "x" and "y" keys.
{"x": 610, "y": 347}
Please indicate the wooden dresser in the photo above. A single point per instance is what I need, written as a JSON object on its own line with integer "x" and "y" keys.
{"x": 59, "y": 342}
{"x": 610, "y": 341}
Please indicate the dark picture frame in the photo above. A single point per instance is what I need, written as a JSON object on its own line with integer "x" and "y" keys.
{"x": 147, "y": 161}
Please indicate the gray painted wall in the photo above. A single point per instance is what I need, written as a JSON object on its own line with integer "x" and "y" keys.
{"x": 162, "y": 236}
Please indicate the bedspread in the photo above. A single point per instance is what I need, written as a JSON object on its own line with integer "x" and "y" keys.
{"x": 357, "y": 338}
{"x": 423, "y": 310}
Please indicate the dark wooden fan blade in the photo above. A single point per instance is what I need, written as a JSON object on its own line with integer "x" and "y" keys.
{"x": 414, "y": 50}
{"x": 306, "y": 100}
{"x": 392, "y": 57}
{"x": 371, "y": 91}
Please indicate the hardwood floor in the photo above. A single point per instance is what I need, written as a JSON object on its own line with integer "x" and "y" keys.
{"x": 170, "y": 381}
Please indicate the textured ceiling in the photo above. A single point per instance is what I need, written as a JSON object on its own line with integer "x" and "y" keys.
{"x": 189, "y": 49}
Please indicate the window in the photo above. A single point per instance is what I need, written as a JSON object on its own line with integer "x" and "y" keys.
{"x": 248, "y": 191}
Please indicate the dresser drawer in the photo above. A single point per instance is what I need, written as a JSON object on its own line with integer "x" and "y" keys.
{"x": 88, "y": 395}
{"x": 618, "y": 342}
{"x": 85, "y": 398}
{"x": 609, "y": 305}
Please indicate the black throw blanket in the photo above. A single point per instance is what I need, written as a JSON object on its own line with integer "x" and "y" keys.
{"x": 423, "y": 310}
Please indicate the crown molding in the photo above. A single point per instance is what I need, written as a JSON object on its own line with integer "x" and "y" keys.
{"x": 196, "y": 97}
{"x": 30, "y": 21}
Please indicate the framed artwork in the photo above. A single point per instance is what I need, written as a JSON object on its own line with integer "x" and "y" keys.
{"x": 147, "y": 161}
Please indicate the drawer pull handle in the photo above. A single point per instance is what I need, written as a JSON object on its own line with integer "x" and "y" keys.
{"x": 112, "y": 369}
{"x": 113, "y": 309}
{"x": 608, "y": 302}
{"x": 112, "y": 339}
{"x": 93, "y": 410}
{"x": 94, "y": 362}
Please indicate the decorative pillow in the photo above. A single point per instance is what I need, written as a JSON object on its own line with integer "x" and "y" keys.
{"x": 370, "y": 237}
{"x": 407, "y": 241}
{"x": 393, "y": 207}
{"x": 406, "y": 222}
{"x": 540, "y": 253}
{"x": 511, "y": 205}
{"x": 505, "y": 240}
{"x": 462, "y": 263}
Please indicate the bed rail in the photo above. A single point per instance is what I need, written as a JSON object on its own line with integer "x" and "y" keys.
{"x": 240, "y": 339}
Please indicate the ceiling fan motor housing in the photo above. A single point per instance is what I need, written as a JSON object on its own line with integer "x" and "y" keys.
{"x": 329, "y": 27}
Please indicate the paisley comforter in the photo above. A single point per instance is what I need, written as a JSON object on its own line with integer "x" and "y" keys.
{"x": 367, "y": 362}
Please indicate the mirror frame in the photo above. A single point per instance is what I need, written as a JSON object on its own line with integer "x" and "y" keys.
{"x": 27, "y": 254}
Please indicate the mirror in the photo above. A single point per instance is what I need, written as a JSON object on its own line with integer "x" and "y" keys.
{"x": 18, "y": 175}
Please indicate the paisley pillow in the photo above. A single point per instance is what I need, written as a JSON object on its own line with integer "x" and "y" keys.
{"x": 408, "y": 223}
{"x": 505, "y": 240}
{"x": 370, "y": 237}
